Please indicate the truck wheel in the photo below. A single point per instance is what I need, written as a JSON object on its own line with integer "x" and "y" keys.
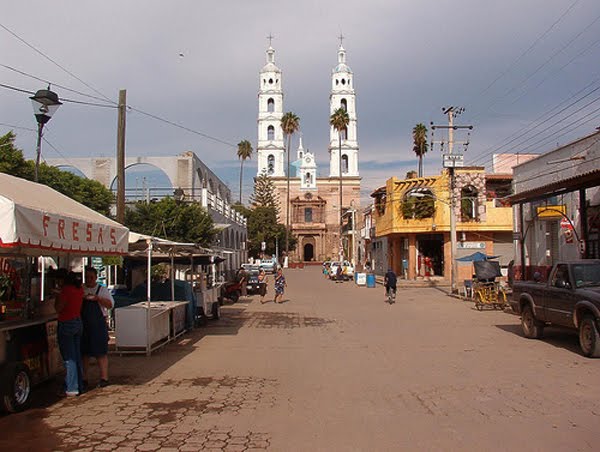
{"x": 201, "y": 318}
{"x": 16, "y": 387}
{"x": 235, "y": 296}
{"x": 589, "y": 340}
{"x": 532, "y": 327}
{"x": 216, "y": 311}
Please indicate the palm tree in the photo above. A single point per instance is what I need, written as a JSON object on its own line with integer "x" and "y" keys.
{"x": 339, "y": 120}
{"x": 420, "y": 144}
{"x": 244, "y": 152}
{"x": 290, "y": 124}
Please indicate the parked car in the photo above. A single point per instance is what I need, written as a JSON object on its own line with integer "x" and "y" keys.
{"x": 347, "y": 270}
{"x": 570, "y": 298}
{"x": 252, "y": 284}
{"x": 268, "y": 265}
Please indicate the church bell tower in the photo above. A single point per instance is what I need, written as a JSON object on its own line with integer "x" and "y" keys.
{"x": 270, "y": 148}
{"x": 343, "y": 96}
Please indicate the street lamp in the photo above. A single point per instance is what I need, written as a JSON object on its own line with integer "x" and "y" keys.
{"x": 452, "y": 233}
{"x": 45, "y": 103}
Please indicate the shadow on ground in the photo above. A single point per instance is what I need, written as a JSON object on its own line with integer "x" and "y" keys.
{"x": 558, "y": 337}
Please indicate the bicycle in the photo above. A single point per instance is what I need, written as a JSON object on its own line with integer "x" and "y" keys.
{"x": 391, "y": 295}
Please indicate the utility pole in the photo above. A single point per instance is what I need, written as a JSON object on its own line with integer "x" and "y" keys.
{"x": 452, "y": 160}
{"x": 121, "y": 156}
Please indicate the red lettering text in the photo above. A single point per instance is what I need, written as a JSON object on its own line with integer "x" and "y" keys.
{"x": 88, "y": 232}
{"x": 100, "y": 238}
{"x": 113, "y": 238}
{"x": 45, "y": 221}
{"x": 74, "y": 231}
{"x": 61, "y": 229}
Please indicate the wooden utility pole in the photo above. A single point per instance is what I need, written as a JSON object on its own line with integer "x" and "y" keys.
{"x": 121, "y": 156}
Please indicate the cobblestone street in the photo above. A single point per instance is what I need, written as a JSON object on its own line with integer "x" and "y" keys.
{"x": 333, "y": 368}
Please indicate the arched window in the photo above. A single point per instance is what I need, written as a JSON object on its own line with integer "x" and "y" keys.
{"x": 270, "y": 133}
{"x": 344, "y": 133}
{"x": 270, "y": 105}
{"x": 270, "y": 164}
{"x": 469, "y": 204}
{"x": 417, "y": 204}
{"x": 344, "y": 164}
{"x": 344, "y": 104}
{"x": 308, "y": 179}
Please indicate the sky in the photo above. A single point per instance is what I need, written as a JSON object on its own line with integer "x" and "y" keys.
{"x": 526, "y": 72}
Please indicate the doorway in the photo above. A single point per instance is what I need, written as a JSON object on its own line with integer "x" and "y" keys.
{"x": 431, "y": 255}
{"x": 309, "y": 252}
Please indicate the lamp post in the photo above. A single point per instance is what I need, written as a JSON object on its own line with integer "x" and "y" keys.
{"x": 45, "y": 103}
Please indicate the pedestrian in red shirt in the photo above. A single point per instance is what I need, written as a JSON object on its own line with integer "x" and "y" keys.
{"x": 68, "y": 307}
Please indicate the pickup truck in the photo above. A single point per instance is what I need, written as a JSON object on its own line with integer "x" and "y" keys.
{"x": 569, "y": 298}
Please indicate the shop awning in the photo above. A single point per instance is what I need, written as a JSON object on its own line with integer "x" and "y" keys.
{"x": 35, "y": 219}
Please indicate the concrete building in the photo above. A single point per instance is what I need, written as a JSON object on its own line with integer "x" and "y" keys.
{"x": 412, "y": 222}
{"x": 556, "y": 206}
{"x": 314, "y": 211}
{"x": 197, "y": 182}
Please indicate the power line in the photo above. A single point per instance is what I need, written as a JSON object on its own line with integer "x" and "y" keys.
{"x": 158, "y": 118}
{"x": 62, "y": 98}
{"x": 55, "y": 63}
{"x": 51, "y": 83}
{"x": 529, "y": 49}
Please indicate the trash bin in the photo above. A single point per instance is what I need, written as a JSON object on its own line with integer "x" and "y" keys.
{"x": 370, "y": 280}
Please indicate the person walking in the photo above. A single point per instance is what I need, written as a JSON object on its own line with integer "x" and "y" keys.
{"x": 279, "y": 286}
{"x": 94, "y": 312}
{"x": 243, "y": 280}
{"x": 389, "y": 281}
{"x": 262, "y": 284}
{"x": 68, "y": 307}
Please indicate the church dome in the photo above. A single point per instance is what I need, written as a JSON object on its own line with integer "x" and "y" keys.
{"x": 342, "y": 67}
{"x": 270, "y": 66}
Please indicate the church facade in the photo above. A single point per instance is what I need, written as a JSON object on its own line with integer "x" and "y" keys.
{"x": 317, "y": 220}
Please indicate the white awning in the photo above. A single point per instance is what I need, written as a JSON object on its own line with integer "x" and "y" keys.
{"x": 36, "y": 219}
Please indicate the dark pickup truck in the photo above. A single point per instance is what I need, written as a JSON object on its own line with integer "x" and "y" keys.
{"x": 570, "y": 298}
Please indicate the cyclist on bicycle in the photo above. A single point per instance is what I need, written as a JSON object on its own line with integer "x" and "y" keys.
{"x": 389, "y": 281}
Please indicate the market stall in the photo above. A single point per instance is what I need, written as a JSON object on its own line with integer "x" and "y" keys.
{"x": 37, "y": 221}
{"x": 162, "y": 310}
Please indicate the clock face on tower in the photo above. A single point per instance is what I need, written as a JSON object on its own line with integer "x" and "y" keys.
{"x": 307, "y": 159}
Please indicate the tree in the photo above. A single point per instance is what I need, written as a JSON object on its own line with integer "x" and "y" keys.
{"x": 263, "y": 227}
{"x": 420, "y": 144}
{"x": 264, "y": 193}
{"x": 88, "y": 192}
{"x": 290, "y": 123}
{"x": 339, "y": 120}
{"x": 244, "y": 152}
{"x": 172, "y": 220}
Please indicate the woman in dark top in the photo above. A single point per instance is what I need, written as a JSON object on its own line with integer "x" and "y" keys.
{"x": 68, "y": 307}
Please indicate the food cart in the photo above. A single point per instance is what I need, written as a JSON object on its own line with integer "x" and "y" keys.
{"x": 37, "y": 221}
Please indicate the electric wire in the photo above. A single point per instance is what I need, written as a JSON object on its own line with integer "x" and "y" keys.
{"x": 56, "y": 63}
{"x": 51, "y": 83}
{"x": 62, "y": 98}
{"x": 529, "y": 49}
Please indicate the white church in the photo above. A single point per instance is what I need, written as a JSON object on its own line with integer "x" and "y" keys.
{"x": 314, "y": 197}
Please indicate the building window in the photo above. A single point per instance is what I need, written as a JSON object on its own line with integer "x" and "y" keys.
{"x": 468, "y": 204}
{"x": 270, "y": 133}
{"x": 270, "y": 164}
{"x": 344, "y": 104}
{"x": 308, "y": 215}
{"x": 270, "y": 105}
{"x": 308, "y": 179}
{"x": 344, "y": 164}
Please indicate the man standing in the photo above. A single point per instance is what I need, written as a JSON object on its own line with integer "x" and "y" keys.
{"x": 243, "y": 280}
{"x": 97, "y": 301}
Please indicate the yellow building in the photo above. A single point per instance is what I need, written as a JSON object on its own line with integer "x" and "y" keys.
{"x": 412, "y": 217}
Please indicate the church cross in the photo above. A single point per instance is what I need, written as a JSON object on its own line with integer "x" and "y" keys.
{"x": 341, "y": 38}
{"x": 270, "y": 38}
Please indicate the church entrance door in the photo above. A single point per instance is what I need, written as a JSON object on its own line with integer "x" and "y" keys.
{"x": 309, "y": 252}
